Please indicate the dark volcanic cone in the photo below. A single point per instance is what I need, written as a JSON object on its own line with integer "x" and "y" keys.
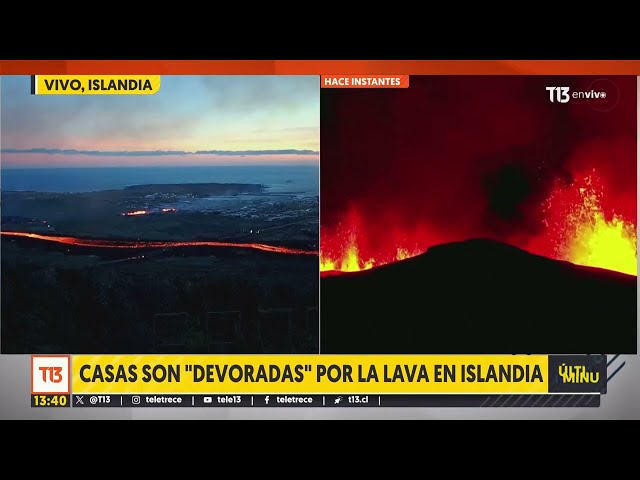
{"x": 479, "y": 297}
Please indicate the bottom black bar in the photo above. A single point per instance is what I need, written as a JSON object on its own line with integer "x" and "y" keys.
{"x": 339, "y": 401}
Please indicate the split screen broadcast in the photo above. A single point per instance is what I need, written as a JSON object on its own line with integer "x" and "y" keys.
{"x": 278, "y": 214}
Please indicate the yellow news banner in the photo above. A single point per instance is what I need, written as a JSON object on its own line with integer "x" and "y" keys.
{"x": 95, "y": 84}
{"x": 309, "y": 374}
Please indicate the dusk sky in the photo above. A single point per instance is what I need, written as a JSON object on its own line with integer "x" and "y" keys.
{"x": 192, "y": 120}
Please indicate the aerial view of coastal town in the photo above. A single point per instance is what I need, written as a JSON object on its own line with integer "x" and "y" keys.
{"x": 181, "y": 222}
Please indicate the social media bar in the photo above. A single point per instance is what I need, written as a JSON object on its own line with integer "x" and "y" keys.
{"x": 331, "y": 401}
{"x": 146, "y": 400}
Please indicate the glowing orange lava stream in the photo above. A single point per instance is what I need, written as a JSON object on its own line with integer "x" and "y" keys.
{"x": 96, "y": 243}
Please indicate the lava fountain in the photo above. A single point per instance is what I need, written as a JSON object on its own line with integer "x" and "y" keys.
{"x": 349, "y": 248}
{"x": 578, "y": 227}
{"x": 349, "y": 260}
{"x": 582, "y": 230}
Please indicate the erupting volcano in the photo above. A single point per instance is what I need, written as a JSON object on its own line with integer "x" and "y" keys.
{"x": 476, "y": 216}
{"x": 577, "y": 227}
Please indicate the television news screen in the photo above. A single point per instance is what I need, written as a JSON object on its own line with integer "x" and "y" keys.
{"x": 319, "y": 240}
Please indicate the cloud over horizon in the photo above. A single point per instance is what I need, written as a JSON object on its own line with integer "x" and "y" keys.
{"x": 153, "y": 153}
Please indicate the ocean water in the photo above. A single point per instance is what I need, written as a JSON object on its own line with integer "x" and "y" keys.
{"x": 302, "y": 179}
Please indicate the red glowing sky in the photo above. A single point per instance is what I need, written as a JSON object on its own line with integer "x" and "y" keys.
{"x": 453, "y": 158}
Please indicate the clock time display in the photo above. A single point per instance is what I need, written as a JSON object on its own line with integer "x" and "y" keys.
{"x": 50, "y": 400}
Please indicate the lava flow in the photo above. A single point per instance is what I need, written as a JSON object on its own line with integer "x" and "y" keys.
{"x": 135, "y": 213}
{"x": 124, "y": 244}
{"x": 576, "y": 228}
